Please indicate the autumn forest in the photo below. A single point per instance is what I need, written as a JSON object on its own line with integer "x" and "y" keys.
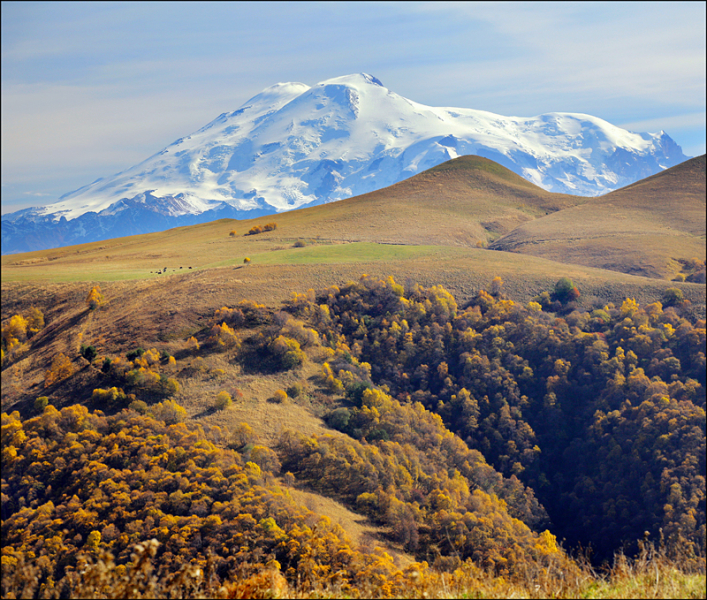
{"x": 490, "y": 437}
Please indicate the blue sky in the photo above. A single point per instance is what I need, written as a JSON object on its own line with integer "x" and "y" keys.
{"x": 90, "y": 89}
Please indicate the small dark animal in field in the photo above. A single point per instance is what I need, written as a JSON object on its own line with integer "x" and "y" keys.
{"x": 190, "y": 267}
{"x": 181, "y": 267}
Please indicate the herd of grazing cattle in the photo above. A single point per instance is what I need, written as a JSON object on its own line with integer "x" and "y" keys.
{"x": 164, "y": 270}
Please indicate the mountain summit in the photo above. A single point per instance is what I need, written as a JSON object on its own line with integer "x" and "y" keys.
{"x": 293, "y": 145}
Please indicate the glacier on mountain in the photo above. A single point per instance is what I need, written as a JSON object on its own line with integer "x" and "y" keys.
{"x": 293, "y": 145}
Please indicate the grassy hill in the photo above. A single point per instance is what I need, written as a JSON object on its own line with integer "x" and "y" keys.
{"x": 432, "y": 227}
{"x": 446, "y": 212}
{"x": 464, "y": 203}
{"x": 650, "y": 228}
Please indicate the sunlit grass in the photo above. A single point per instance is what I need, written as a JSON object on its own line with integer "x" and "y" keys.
{"x": 651, "y": 575}
{"x": 343, "y": 253}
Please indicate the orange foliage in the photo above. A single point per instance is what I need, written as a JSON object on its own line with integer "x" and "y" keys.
{"x": 61, "y": 368}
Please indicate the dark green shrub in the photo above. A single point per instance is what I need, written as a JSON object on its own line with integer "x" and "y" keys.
{"x": 133, "y": 354}
{"x": 565, "y": 290}
{"x": 295, "y": 390}
{"x": 88, "y": 352}
{"x": 378, "y": 434}
{"x": 339, "y": 419}
{"x": 673, "y": 297}
{"x": 354, "y": 392}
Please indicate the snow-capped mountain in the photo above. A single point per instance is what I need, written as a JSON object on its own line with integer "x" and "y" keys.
{"x": 294, "y": 145}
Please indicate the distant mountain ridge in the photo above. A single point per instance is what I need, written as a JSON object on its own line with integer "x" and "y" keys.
{"x": 293, "y": 145}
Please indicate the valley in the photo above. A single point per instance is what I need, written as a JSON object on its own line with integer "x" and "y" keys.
{"x": 412, "y": 364}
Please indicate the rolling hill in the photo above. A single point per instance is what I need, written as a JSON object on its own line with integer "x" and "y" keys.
{"x": 646, "y": 228}
{"x": 451, "y": 210}
{"x": 430, "y": 229}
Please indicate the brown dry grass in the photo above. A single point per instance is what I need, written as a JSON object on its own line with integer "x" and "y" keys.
{"x": 358, "y": 528}
{"x": 440, "y": 214}
{"x": 469, "y": 200}
{"x": 643, "y": 229}
{"x": 256, "y": 406}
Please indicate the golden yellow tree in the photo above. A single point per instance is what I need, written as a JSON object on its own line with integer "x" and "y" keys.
{"x": 223, "y": 400}
{"x": 14, "y": 332}
{"x": 61, "y": 369}
{"x": 94, "y": 298}
{"x": 35, "y": 321}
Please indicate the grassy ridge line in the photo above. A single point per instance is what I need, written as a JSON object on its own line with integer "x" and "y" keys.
{"x": 641, "y": 228}
{"x": 462, "y": 203}
{"x": 471, "y": 201}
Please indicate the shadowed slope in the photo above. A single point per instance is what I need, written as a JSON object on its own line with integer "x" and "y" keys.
{"x": 642, "y": 229}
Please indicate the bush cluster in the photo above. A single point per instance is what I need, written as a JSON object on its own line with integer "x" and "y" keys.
{"x": 256, "y": 229}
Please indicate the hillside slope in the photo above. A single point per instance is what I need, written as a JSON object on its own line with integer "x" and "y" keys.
{"x": 462, "y": 202}
{"x": 646, "y": 228}
{"x": 466, "y": 202}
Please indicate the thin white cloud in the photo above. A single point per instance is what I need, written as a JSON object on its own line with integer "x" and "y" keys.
{"x": 668, "y": 123}
{"x": 640, "y": 50}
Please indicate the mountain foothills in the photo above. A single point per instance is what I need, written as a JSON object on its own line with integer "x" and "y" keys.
{"x": 293, "y": 145}
{"x": 639, "y": 229}
{"x": 366, "y": 398}
{"x": 654, "y": 228}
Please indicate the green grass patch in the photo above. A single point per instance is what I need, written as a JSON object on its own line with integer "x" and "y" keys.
{"x": 344, "y": 253}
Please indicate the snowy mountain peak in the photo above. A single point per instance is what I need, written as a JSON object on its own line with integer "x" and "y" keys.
{"x": 357, "y": 80}
{"x": 293, "y": 145}
{"x": 276, "y": 96}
